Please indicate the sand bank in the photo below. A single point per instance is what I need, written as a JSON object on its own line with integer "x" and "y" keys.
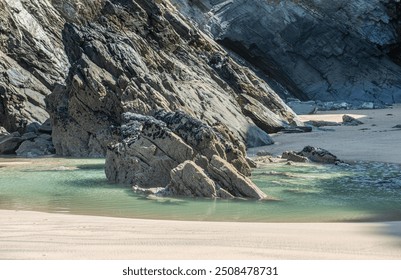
{"x": 375, "y": 140}
{"x": 34, "y": 235}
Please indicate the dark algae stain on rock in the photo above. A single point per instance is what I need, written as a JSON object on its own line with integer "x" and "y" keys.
{"x": 141, "y": 57}
{"x": 181, "y": 156}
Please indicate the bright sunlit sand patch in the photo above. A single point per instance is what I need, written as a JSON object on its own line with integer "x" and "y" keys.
{"x": 329, "y": 117}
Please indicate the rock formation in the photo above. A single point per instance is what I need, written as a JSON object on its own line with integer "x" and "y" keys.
{"x": 32, "y": 60}
{"x": 394, "y": 11}
{"x": 294, "y": 156}
{"x": 325, "y": 50}
{"x": 351, "y": 121}
{"x": 143, "y": 56}
{"x": 36, "y": 141}
{"x": 318, "y": 155}
{"x": 309, "y": 154}
{"x": 181, "y": 155}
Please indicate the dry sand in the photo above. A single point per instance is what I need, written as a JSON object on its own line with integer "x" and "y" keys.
{"x": 34, "y": 235}
{"x": 375, "y": 140}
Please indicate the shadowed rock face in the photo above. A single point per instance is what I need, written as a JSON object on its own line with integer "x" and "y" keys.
{"x": 318, "y": 49}
{"x": 181, "y": 155}
{"x": 394, "y": 12}
{"x": 142, "y": 56}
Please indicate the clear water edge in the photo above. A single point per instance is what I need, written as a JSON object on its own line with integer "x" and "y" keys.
{"x": 307, "y": 193}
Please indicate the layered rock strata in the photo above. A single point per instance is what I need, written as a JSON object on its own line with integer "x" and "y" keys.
{"x": 32, "y": 60}
{"x": 143, "y": 56}
{"x": 317, "y": 49}
{"x": 181, "y": 155}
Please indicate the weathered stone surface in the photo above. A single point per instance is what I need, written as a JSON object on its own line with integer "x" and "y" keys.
{"x": 351, "y": 121}
{"x": 318, "y": 155}
{"x": 297, "y": 129}
{"x": 9, "y": 142}
{"x": 188, "y": 179}
{"x": 294, "y": 157}
{"x": 3, "y": 131}
{"x": 143, "y": 56}
{"x": 29, "y": 136}
{"x": 262, "y": 116}
{"x": 180, "y": 154}
{"x": 235, "y": 183}
{"x": 21, "y": 96}
{"x": 32, "y": 60}
{"x": 320, "y": 123}
{"x": 317, "y": 49}
{"x": 35, "y": 148}
{"x": 303, "y": 107}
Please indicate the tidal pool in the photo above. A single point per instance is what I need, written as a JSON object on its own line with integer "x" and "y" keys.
{"x": 307, "y": 193}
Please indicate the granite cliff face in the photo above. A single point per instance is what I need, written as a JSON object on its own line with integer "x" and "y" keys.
{"x": 317, "y": 49}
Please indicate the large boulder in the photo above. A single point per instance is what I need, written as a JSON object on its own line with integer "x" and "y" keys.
{"x": 318, "y": 155}
{"x": 180, "y": 154}
{"x": 10, "y": 142}
{"x": 35, "y": 147}
{"x": 351, "y": 121}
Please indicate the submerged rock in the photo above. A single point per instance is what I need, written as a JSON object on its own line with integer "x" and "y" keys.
{"x": 180, "y": 154}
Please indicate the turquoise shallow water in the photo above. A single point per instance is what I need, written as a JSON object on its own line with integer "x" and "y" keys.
{"x": 308, "y": 193}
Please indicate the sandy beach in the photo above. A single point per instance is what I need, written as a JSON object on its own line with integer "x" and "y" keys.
{"x": 375, "y": 140}
{"x": 34, "y": 235}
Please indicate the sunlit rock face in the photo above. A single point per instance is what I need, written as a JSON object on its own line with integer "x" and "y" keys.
{"x": 143, "y": 56}
{"x": 32, "y": 55}
{"x": 32, "y": 60}
{"x": 318, "y": 49}
{"x": 179, "y": 155}
{"x": 102, "y": 58}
